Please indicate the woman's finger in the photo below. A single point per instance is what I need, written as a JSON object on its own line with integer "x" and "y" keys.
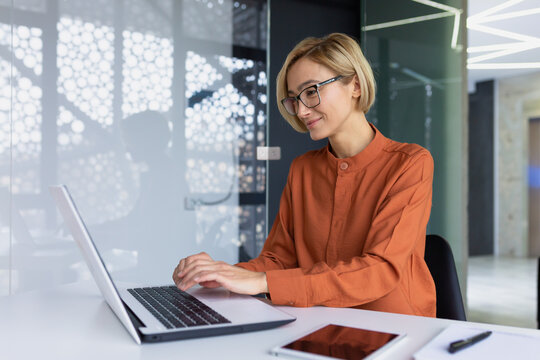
{"x": 193, "y": 272}
{"x": 197, "y": 264}
{"x": 210, "y": 284}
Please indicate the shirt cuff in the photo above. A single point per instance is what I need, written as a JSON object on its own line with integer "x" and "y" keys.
{"x": 287, "y": 287}
{"x": 246, "y": 266}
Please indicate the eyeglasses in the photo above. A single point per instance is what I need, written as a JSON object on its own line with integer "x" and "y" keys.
{"x": 310, "y": 97}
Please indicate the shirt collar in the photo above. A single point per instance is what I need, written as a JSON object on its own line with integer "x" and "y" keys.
{"x": 363, "y": 158}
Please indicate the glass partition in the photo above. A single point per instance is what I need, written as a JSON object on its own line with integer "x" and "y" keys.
{"x": 150, "y": 112}
{"x": 418, "y": 56}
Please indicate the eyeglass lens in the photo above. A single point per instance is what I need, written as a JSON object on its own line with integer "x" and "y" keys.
{"x": 309, "y": 97}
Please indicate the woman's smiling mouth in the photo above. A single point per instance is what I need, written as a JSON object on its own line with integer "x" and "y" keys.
{"x": 311, "y": 123}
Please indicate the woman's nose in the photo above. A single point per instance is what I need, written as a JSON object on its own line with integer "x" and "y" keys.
{"x": 303, "y": 110}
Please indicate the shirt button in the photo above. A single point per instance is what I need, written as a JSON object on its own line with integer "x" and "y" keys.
{"x": 344, "y": 166}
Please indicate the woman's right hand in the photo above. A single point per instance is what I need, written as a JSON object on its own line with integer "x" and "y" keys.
{"x": 177, "y": 278}
{"x": 202, "y": 269}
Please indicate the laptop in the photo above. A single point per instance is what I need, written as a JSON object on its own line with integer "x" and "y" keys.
{"x": 163, "y": 313}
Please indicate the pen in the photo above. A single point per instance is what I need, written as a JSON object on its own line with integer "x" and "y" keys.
{"x": 465, "y": 343}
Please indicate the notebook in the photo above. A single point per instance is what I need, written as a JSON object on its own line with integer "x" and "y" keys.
{"x": 499, "y": 345}
{"x": 162, "y": 313}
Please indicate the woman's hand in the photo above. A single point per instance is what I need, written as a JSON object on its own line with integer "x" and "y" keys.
{"x": 202, "y": 269}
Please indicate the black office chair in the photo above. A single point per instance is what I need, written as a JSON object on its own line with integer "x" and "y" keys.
{"x": 440, "y": 262}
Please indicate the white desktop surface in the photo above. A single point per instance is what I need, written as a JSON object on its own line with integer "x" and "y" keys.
{"x": 74, "y": 322}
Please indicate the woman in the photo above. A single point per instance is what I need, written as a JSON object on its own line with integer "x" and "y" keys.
{"x": 351, "y": 227}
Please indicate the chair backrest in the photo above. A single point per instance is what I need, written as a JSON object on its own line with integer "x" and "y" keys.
{"x": 440, "y": 262}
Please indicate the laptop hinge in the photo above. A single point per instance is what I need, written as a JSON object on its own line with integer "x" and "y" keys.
{"x": 134, "y": 318}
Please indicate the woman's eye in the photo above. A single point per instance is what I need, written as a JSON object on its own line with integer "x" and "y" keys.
{"x": 311, "y": 92}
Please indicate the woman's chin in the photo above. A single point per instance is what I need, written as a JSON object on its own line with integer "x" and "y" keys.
{"x": 315, "y": 135}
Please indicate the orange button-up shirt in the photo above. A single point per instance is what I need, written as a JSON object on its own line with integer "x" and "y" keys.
{"x": 351, "y": 232}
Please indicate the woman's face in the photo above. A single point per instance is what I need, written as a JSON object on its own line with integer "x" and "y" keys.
{"x": 338, "y": 100}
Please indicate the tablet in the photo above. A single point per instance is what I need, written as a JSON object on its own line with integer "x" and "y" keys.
{"x": 339, "y": 342}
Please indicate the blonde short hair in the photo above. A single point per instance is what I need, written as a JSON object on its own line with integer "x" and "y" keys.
{"x": 338, "y": 52}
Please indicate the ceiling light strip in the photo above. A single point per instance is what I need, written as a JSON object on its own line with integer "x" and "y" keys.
{"x": 437, "y": 5}
{"x": 504, "y": 66}
{"x": 497, "y": 54}
{"x": 509, "y": 15}
{"x": 503, "y": 33}
{"x": 455, "y": 32}
{"x": 406, "y": 21}
{"x": 493, "y": 10}
{"x": 485, "y": 48}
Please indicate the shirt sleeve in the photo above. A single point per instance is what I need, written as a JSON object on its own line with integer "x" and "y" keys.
{"x": 278, "y": 252}
{"x": 399, "y": 222}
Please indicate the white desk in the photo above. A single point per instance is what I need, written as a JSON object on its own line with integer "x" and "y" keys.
{"x": 74, "y": 322}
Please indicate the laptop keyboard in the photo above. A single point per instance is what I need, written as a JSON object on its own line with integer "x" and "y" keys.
{"x": 176, "y": 308}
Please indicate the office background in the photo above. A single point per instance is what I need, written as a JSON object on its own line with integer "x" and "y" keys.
{"x": 151, "y": 112}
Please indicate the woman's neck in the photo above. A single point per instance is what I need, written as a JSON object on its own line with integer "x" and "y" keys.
{"x": 352, "y": 140}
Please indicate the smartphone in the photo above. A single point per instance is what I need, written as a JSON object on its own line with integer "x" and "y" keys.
{"x": 338, "y": 342}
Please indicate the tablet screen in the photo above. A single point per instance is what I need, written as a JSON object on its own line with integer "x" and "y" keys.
{"x": 341, "y": 342}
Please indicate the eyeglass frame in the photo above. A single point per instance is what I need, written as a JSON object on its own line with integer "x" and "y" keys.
{"x": 316, "y": 86}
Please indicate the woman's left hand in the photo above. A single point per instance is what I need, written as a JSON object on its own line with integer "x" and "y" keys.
{"x": 207, "y": 272}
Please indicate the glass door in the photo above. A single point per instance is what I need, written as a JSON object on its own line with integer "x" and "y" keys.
{"x": 150, "y": 112}
{"x": 418, "y": 57}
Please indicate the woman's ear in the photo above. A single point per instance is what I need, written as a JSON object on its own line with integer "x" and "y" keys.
{"x": 357, "y": 91}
